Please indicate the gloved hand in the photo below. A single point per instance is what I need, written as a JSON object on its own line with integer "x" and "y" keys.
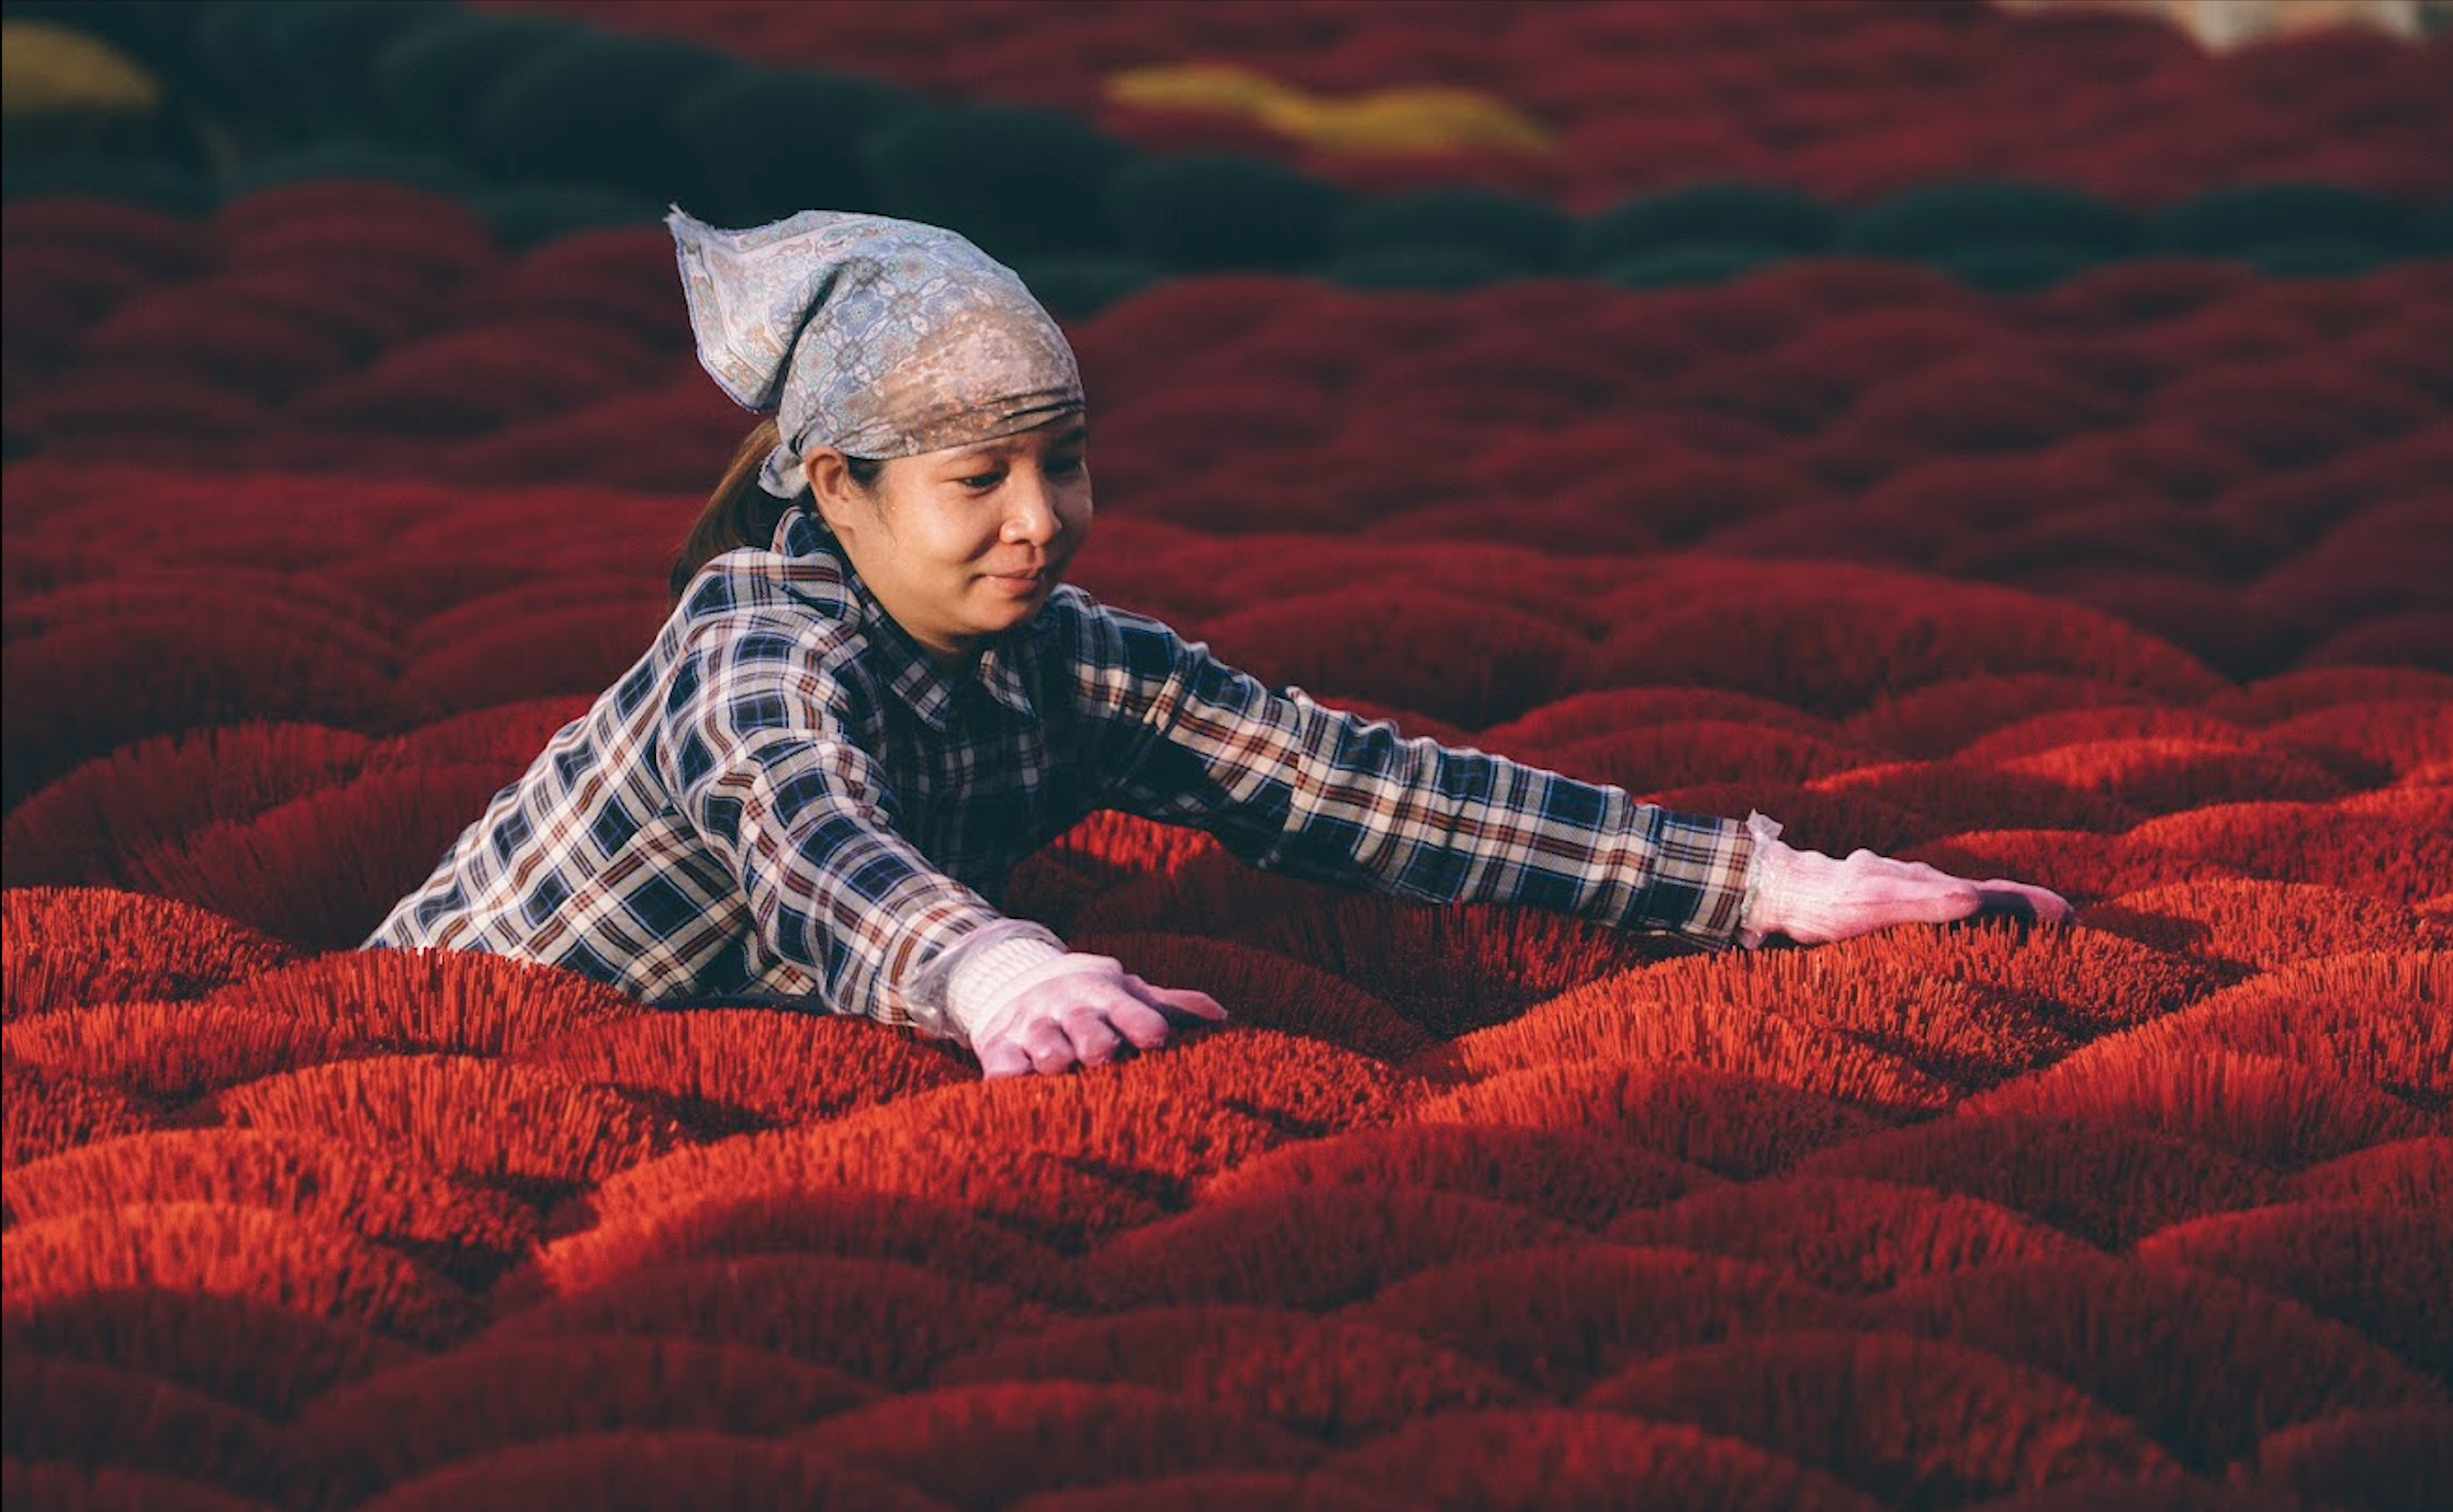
{"x": 1027, "y": 1006}
{"x": 1812, "y": 899}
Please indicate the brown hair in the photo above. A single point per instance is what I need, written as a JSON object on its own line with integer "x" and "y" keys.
{"x": 740, "y": 512}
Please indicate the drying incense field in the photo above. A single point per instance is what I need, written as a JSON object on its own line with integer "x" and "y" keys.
{"x": 2066, "y": 541}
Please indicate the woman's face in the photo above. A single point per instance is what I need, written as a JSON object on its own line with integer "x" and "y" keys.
{"x": 965, "y": 544}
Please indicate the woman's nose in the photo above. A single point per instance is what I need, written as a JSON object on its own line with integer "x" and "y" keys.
{"x": 1030, "y": 508}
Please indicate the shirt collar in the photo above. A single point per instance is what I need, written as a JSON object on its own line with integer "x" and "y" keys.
{"x": 1000, "y": 670}
{"x": 926, "y": 689}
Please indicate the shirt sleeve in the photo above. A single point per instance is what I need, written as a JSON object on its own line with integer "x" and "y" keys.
{"x": 1292, "y": 786}
{"x": 754, "y": 749}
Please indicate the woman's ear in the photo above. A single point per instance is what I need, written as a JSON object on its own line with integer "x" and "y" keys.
{"x": 831, "y": 487}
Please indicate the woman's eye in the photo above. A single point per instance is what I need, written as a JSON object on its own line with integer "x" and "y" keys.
{"x": 982, "y": 481}
{"x": 1066, "y": 468}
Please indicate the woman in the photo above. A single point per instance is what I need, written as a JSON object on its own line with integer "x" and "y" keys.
{"x": 875, "y": 694}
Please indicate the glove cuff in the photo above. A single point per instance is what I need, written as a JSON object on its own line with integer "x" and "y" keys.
{"x": 930, "y": 997}
{"x": 985, "y": 1004}
{"x": 989, "y": 974}
{"x": 1756, "y": 921}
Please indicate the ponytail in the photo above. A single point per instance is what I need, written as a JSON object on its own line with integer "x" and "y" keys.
{"x": 741, "y": 512}
{"x": 738, "y": 514}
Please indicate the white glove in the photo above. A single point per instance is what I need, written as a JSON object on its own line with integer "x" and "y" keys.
{"x": 1026, "y": 1004}
{"x": 1812, "y": 899}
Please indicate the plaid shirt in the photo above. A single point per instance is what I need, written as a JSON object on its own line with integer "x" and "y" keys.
{"x": 787, "y": 796}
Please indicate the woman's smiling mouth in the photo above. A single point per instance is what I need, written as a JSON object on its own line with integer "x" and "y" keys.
{"x": 1021, "y": 584}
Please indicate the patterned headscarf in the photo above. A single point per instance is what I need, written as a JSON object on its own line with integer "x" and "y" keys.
{"x": 884, "y": 338}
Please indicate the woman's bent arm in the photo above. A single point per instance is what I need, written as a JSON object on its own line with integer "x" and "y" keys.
{"x": 753, "y": 750}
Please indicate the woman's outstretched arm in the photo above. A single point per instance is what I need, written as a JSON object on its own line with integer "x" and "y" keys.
{"x": 1293, "y": 787}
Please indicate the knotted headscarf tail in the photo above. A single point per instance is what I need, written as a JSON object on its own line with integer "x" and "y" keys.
{"x": 884, "y": 338}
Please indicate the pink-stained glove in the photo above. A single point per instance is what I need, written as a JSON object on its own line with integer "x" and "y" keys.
{"x": 1812, "y": 899}
{"x": 1027, "y": 1005}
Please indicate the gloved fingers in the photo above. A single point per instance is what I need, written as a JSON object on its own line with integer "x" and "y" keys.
{"x": 1179, "y": 1002}
{"x": 1049, "y": 1048}
{"x": 1998, "y": 895}
{"x": 1946, "y": 901}
{"x": 1095, "y": 1039}
{"x": 1863, "y": 863}
{"x": 1003, "y": 1058}
{"x": 1085, "y": 1017}
{"x": 1813, "y": 898}
{"x": 1911, "y": 891}
{"x": 1139, "y": 1022}
{"x": 2018, "y": 900}
{"x": 1081, "y": 1037}
{"x": 1877, "y": 897}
